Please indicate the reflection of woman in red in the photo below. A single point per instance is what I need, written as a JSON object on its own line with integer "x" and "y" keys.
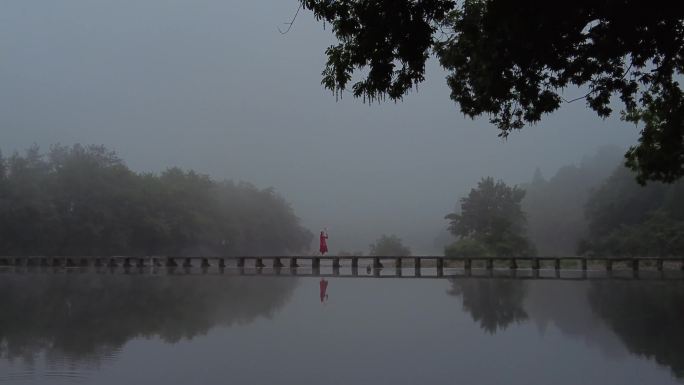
{"x": 324, "y": 287}
{"x": 324, "y": 244}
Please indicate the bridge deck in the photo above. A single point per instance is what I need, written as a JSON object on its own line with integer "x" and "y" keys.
{"x": 397, "y": 273}
{"x": 376, "y": 262}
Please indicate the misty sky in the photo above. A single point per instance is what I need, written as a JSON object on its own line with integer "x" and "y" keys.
{"x": 213, "y": 86}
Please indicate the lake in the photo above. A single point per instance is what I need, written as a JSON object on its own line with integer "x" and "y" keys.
{"x": 101, "y": 328}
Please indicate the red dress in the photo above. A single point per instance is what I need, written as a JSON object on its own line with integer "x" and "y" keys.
{"x": 324, "y": 244}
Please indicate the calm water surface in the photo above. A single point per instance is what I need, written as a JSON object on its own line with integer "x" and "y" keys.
{"x": 92, "y": 328}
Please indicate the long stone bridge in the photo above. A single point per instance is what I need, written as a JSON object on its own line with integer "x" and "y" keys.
{"x": 372, "y": 264}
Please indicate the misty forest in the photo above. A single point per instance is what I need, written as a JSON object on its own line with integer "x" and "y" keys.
{"x": 84, "y": 200}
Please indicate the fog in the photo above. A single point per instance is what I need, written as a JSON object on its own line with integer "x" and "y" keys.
{"x": 213, "y": 86}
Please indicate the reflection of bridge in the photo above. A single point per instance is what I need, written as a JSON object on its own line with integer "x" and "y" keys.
{"x": 374, "y": 266}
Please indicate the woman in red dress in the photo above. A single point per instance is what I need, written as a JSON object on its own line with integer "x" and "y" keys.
{"x": 324, "y": 244}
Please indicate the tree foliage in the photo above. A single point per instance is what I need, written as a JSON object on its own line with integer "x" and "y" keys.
{"x": 490, "y": 222}
{"x": 389, "y": 245}
{"x": 85, "y": 201}
{"x": 511, "y": 60}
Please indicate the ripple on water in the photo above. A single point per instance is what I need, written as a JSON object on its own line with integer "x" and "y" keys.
{"x": 48, "y": 376}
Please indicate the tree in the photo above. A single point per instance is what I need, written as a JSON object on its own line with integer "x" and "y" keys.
{"x": 512, "y": 61}
{"x": 490, "y": 221}
{"x": 389, "y": 245}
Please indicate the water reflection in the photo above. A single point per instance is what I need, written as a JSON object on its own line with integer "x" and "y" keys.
{"x": 88, "y": 317}
{"x": 646, "y": 317}
{"x": 493, "y": 303}
{"x": 323, "y": 288}
{"x": 391, "y": 330}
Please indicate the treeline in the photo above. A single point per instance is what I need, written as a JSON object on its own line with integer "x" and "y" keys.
{"x": 596, "y": 208}
{"x": 599, "y": 209}
{"x": 83, "y": 200}
{"x": 555, "y": 207}
{"x": 628, "y": 219}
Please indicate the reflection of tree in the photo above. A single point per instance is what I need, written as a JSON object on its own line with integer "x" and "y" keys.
{"x": 494, "y": 303}
{"x": 647, "y": 316}
{"x": 85, "y": 316}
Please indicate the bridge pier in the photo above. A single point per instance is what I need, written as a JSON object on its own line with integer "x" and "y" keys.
{"x": 397, "y": 263}
{"x": 355, "y": 263}
{"x": 635, "y": 265}
{"x": 440, "y": 267}
{"x": 376, "y": 263}
{"x": 609, "y": 265}
{"x": 514, "y": 264}
{"x": 222, "y": 263}
{"x": 293, "y": 263}
{"x": 187, "y": 263}
{"x": 490, "y": 263}
{"x": 336, "y": 263}
{"x": 557, "y": 264}
{"x": 241, "y": 262}
{"x": 316, "y": 263}
{"x": 535, "y": 264}
{"x": 467, "y": 264}
{"x": 276, "y": 263}
{"x": 659, "y": 264}
{"x": 584, "y": 264}
{"x": 171, "y": 262}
